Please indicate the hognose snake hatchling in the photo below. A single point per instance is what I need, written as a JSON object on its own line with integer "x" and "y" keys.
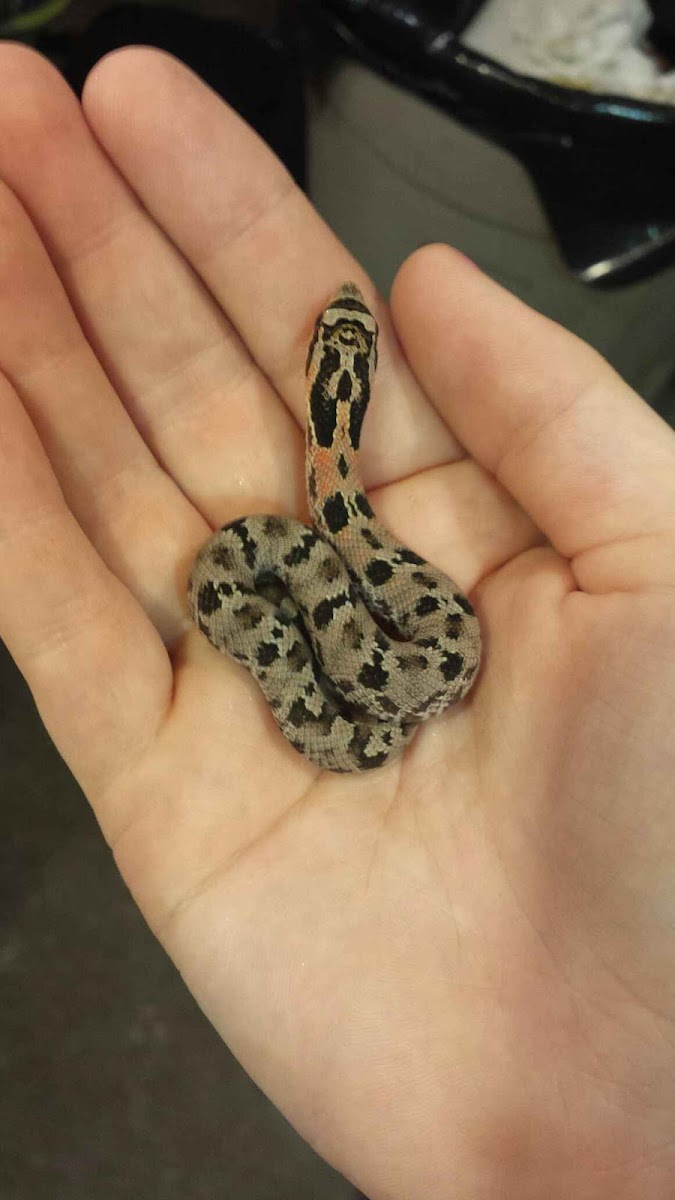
{"x": 353, "y": 638}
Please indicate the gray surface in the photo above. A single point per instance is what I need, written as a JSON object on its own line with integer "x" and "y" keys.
{"x": 112, "y": 1082}
{"x": 438, "y": 181}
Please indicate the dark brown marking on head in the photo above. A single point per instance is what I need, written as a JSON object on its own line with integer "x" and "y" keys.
{"x": 323, "y": 406}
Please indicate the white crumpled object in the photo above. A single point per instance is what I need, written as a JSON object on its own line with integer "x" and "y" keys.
{"x": 594, "y": 44}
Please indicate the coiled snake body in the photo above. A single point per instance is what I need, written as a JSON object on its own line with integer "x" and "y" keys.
{"x": 353, "y": 638}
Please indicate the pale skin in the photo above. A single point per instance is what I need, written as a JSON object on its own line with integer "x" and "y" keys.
{"x": 455, "y": 975}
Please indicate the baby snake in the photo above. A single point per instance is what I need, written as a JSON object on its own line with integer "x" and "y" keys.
{"x": 353, "y": 638}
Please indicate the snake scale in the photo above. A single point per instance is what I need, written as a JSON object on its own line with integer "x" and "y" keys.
{"x": 353, "y": 638}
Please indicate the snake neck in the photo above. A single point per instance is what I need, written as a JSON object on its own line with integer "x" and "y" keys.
{"x": 340, "y": 366}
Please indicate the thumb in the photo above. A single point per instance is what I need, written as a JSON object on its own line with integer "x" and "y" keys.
{"x": 590, "y": 462}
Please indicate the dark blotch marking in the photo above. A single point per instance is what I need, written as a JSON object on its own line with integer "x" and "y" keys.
{"x": 352, "y": 635}
{"x": 412, "y": 662}
{"x": 208, "y": 599}
{"x": 363, "y": 505}
{"x": 409, "y": 556}
{"x": 298, "y": 656}
{"x": 311, "y": 484}
{"x": 451, "y": 665}
{"x": 228, "y": 589}
{"x": 343, "y": 466}
{"x": 379, "y": 571}
{"x": 325, "y": 610}
{"x": 248, "y": 544}
{"x": 425, "y": 580}
{"x": 275, "y": 526}
{"x": 224, "y": 557}
{"x": 299, "y": 714}
{"x": 369, "y": 537}
{"x": 426, "y": 605}
{"x": 454, "y": 624}
{"x": 373, "y": 675}
{"x": 463, "y": 603}
{"x": 302, "y": 550}
{"x": 335, "y": 512}
{"x": 330, "y": 569}
{"x": 381, "y": 641}
{"x": 268, "y": 652}
{"x": 250, "y": 615}
{"x": 359, "y": 745}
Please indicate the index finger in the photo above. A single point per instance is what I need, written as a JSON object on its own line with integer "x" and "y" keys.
{"x": 254, "y": 238}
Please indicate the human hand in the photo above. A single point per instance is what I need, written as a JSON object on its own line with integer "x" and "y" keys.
{"x": 455, "y": 975}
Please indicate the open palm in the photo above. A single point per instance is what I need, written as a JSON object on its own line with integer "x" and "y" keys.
{"x": 455, "y": 975}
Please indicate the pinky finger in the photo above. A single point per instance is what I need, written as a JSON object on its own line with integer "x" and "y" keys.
{"x": 97, "y": 668}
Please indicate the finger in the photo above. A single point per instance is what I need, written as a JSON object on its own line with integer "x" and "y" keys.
{"x": 95, "y": 664}
{"x": 137, "y": 518}
{"x": 590, "y": 462}
{"x": 250, "y": 233}
{"x": 459, "y": 518}
{"x": 210, "y": 417}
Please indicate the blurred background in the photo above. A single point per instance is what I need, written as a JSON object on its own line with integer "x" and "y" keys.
{"x": 406, "y": 123}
